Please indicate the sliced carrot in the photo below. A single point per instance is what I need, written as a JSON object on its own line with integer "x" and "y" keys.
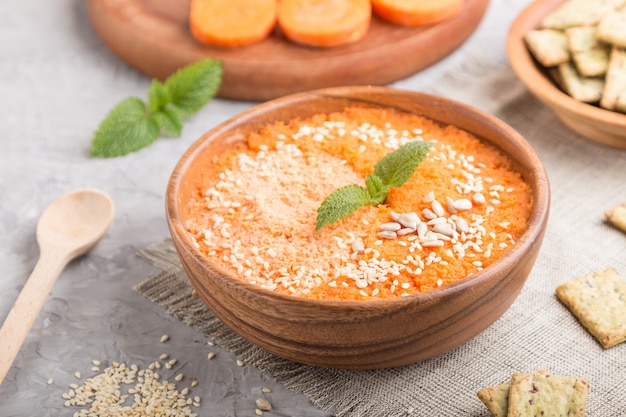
{"x": 324, "y": 23}
{"x": 416, "y": 12}
{"x": 232, "y": 23}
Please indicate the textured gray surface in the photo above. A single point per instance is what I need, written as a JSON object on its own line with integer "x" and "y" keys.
{"x": 57, "y": 81}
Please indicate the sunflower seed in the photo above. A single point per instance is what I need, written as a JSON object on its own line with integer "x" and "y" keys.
{"x": 390, "y": 227}
{"x": 437, "y": 208}
{"x": 387, "y": 234}
{"x": 463, "y": 204}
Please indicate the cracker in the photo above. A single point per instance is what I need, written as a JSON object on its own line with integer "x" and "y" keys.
{"x": 496, "y": 399}
{"x": 620, "y": 104}
{"x": 548, "y": 46}
{"x": 612, "y": 28}
{"x": 598, "y": 301}
{"x": 579, "y": 13}
{"x": 615, "y": 80}
{"x": 585, "y": 89}
{"x": 617, "y": 215}
{"x": 546, "y": 395}
{"x": 590, "y": 55}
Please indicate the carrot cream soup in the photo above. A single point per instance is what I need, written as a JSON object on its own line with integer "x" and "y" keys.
{"x": 255, "y": 217}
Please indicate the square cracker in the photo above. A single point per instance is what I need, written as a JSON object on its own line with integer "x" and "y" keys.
{"x": 615, "y": 79}
{"x": 585, "y": 89}
{"x": 496, "y": 399}
{"x": 579, "y": 13}
{"x": 617, "y": 215}
{"x": 598, "y": 301}
{"x": 590, "y": 55}
{"x": 620, "y": 105}
{"x": 545, "y": 395}
{"x": 548, "y": 46}
{"x": 612, "y": 28}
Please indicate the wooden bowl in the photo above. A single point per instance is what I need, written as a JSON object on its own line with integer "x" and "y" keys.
{"x": 359, "y": 334}
{"x": 592, "y": 122}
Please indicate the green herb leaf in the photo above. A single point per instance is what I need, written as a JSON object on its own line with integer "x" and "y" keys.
{"x": 192, "y": 87}
{"x": 127, "y": 128}
{"x": 377, "y": 188}
{"x": 392, "y": 171}
{"x": 169, "y": 120}
{"x": 341, "y": 203}
{"x": 133, "y": 124}
{"x": 397, "y": 167}
{"x": 158, "y": 96}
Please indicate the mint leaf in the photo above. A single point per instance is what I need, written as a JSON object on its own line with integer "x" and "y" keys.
{"x": 169, "y": 120}
{"x": 397, "y": 167}
{"x": 377, "y": 189}
{"x": 158, "y": 96}
{"x": 132, "y": 124}
{"x": 190, "y": 88}
{"x": 392, "y": 171}
{"x": 341, "y": 203}
{"x": 127, "y": 128}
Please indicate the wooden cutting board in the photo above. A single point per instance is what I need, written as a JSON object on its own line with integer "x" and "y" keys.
{"x": 153, "y": 37}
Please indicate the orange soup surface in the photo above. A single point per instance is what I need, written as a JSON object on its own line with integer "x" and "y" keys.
{"x": 255, "y": 214}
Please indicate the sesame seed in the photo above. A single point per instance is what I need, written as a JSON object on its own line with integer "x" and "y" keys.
{"x": 164, "y": 338}
{"x": 263, "y": 404}
{"x": 211, "y": 355}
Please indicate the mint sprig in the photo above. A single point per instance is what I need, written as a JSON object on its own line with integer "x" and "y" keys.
{"x": 392, "y": 171}
{"x": 133, "y": 124}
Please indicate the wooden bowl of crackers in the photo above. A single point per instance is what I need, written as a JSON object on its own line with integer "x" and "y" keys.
{"x": 383, "y": 286}
{"x": 572, "y": 56}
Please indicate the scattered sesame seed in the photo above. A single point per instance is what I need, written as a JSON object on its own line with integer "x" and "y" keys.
{"x": 50, "y": 381}
{"x": 164, "y": 356}
{"x": 263, "y": 404}
{"x": 211, "y": 355}
{"x": 164, "y": 338}
{"x": 240, "y": 362}
{"x": 77, "y": 375}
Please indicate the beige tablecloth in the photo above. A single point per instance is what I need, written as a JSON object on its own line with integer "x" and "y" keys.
{"x": 536, "y": 333}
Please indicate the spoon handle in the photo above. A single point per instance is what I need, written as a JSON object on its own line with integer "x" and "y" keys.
{"x": 27, "y": 306}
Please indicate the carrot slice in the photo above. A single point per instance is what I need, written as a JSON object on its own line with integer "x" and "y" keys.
{"x": 324, "y": 23}
{"x": 232, "y": 23}
{"x": 416, "y": 12}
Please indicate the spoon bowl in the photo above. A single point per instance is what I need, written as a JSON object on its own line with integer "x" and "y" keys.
{"x": 77, "y": 220}
{"x": 68, "y": 228}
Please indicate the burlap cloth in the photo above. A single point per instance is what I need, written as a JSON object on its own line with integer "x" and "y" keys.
{"x": 537, "y": 332}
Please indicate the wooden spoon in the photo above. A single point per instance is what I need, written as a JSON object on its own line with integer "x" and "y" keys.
{"x": 68, "y": 228}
